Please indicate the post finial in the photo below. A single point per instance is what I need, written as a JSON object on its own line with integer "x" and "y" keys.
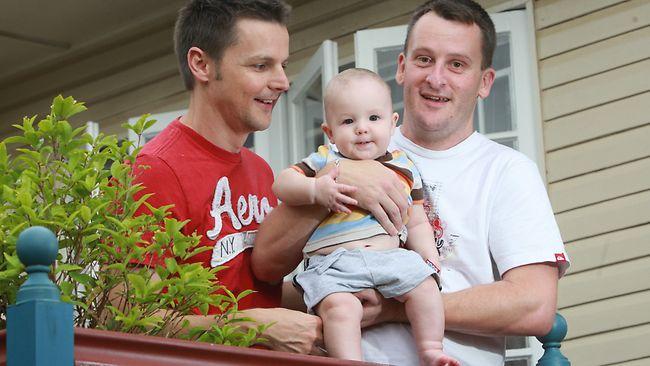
{"x": 552, "y": 342}
{"x": 37, "y": 248}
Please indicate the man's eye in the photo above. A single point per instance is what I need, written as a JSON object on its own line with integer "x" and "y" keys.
{"x": 374, "y": 118}
{"x": 347, "y": 121}
{"x": 423, "y": 60}
{"x": 457, "y": 65}
{"x": 260, "y": 67}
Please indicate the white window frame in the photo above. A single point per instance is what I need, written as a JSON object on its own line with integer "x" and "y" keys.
{"x": 323, "y": 64}
{"x": 524, "y": 94}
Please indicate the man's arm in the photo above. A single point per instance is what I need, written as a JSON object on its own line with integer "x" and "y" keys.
{"x": 280, "y": 239}
{"x": 522, "y": 303}
{"x": 292, "y": 331}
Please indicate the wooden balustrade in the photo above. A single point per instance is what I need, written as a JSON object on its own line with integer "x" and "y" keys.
{"x": 40, "y": 332}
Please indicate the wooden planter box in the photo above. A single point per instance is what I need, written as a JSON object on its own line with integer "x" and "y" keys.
{"x": 104, "y": 348}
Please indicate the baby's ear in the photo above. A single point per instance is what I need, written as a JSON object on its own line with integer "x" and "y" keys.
{"x": 395, "y": 118}
{"x": 327, "y": 131}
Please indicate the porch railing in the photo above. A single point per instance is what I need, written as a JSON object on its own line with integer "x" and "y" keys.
{"x": 40, "y": 329}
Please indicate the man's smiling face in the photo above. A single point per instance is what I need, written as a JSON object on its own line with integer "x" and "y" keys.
{"x": 442, "y": 79}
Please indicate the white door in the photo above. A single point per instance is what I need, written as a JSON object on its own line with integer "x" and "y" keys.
{"x": 506, "y": 116}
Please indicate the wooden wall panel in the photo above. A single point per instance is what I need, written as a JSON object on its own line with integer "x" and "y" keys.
{"x": 606, "y": 119}
{"x": 348, "y": 23}
{"x": 103, "y": 90}
{"x": 601, "y": 185}
{"x": 605, "y": 217}
{"x": 595, "y": 58}
{"x": 593, "y": 27}
{"x": 89, "y": 69}
{"x": 609, "y": 348}
{"x": 595, "y": 90}
{"x": 597, "y": 317}
{"x": 607, "y": 249}
{"x": 607, "y": 282}
{"x": 551, "y": 12}
{"x": 598, "y": 154}
{"x": 645, "y": 361}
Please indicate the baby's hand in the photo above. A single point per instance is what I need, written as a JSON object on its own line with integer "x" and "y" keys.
{"x": 333, "y": 195}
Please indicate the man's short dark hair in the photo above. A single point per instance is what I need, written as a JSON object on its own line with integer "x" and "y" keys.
{"x": 462, "y": 11}
{"x": 210, "y": 26}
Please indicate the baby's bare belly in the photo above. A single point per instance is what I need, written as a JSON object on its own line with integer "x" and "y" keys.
{"x": 377, "y": 242}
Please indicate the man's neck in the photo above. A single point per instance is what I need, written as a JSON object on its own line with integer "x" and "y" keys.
{"x": 208, "y": 123}
{"x": 433, "y": 140}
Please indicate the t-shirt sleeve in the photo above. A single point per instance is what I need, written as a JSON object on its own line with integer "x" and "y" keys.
{"x": 523, "y": 229}
{"x": 313, "y": 163}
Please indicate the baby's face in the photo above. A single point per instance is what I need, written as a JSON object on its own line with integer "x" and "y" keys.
{"x": 360, "y": 119}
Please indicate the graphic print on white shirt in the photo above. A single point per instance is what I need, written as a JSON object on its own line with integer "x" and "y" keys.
{"x": 248, "y": 209}
{"x": 445, "y": 246}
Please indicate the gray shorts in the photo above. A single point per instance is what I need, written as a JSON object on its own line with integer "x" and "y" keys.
{"x": 392, "y": 272}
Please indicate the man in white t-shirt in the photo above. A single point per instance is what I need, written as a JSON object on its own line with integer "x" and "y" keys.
{"x": 495, "y": 230}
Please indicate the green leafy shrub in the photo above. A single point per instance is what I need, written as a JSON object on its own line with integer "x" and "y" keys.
{"x": 82, "y": 189}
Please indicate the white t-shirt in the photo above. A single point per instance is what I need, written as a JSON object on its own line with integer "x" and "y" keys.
{"x": 484, "y": 200}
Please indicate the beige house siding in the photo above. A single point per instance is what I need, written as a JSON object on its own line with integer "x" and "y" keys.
{"x": 595, "y": 92}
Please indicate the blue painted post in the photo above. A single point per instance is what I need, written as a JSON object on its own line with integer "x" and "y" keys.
{"x": 552, "y": 343}
{"x": 39, "y": 325}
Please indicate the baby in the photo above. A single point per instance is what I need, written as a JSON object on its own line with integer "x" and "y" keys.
{"x": 350, "y": 251}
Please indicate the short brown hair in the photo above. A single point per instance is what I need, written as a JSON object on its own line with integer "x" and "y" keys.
{"x": 462, "y": 11}
{"x": 210, "y": 26}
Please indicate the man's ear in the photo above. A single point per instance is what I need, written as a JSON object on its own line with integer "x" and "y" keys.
{"x": 401, "y": 65}
{"x": 487, "y": 79}
{"x": 327, "y": 131}
{"x": 200, "y": 64}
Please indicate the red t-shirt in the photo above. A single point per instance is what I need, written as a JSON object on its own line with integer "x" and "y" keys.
{"x": 224, "y": 195}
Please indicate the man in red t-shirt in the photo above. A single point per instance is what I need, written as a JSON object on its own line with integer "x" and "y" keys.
{"x": 232, "y": 56}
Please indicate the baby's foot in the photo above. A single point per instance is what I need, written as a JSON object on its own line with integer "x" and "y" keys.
{"x": 436, "y": 357}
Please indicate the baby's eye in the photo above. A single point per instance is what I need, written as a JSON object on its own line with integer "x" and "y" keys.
{"x": 347, "y": 121}
{"x": 374, "y": 118}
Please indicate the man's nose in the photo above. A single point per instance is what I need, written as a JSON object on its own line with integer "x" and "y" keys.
{"x": 437, "y": 77}
{"x": 280, "y": 82}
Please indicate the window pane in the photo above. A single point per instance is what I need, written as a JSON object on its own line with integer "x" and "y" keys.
{"x": 387, "y": 66}
{"x": 313, "y": 119}
{"x": 498, "y": 115}
{"x": 520, "y": 362}
{"x": 501, "y": 58}
{"x": 516, "y": 342}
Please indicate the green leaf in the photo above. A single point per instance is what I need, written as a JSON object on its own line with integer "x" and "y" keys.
{"x": 83, "y": 279}
{"x": 85, "y": 213}
{"x": 67, "y": 267}
{"x": 137, "y": 283}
